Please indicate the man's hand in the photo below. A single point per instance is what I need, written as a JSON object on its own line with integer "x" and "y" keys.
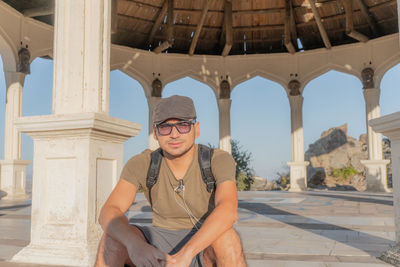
{"x": 181, "y": 260}
{"x": 145, "y": 255}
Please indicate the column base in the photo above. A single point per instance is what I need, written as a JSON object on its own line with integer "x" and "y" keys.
{"x": 298, "y": 176}
{"x": 58, "y": 254}
{"x": 376, "y": 175}
{"x": 77, "y": 162}
{"x": 13, "y": 179}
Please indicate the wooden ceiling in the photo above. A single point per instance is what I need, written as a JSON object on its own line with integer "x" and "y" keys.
{"x": 236, "y": 27}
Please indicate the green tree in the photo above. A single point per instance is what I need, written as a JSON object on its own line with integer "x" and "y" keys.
{"x": 244, "y": 173}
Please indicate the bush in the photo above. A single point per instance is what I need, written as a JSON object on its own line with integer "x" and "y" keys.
{"x": 244, "y": 173}
{"x": 283, "y": 179}
{"x": 343, "y": 174}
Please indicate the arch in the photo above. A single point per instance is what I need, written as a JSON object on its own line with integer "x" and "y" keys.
{"x": 128, "y": 101}
{"x": 42, "y": 53}
{"x": 325, "y": 69}
{"x": 136, "y": 75}
{"x": 191, "y": 74}
{"x": 205, "y": 102}
{"x": 8, "y": 51}
{"x": 260, "y": 121}
{"x": 384, "y": 68}
{"x": 269, "y": 76}
{"x": 389, "y": 93}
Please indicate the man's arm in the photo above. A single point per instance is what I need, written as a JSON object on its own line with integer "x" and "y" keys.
{"x": 219, "y": 221}
{"x": 112, "y": 215}
{"x": 115, "y": 224}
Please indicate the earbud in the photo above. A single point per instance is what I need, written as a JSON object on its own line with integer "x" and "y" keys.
{"x": 180, "y": 187}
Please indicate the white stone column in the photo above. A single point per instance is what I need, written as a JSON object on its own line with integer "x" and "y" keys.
{"x": 13, "y": 169}
{"x": 389, "y": 125}
{"x": 375, "y": 166}
{"x": 224, "y": 107}
{"x": 153, "y": 100}
{"x": 298, "y": 167}
{"x": 79, "y": 148}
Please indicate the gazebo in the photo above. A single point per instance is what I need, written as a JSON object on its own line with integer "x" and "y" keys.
{"x": 78, "y": 148}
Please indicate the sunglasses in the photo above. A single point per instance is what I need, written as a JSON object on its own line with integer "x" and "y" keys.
{"x": 183, "y": 127}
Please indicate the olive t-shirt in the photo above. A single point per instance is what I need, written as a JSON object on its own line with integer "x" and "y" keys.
{"x": 168, "y": 211}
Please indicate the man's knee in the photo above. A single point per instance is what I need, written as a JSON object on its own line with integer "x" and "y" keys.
{"x": 228, "y": 240}
{"x": 228, "y": 249}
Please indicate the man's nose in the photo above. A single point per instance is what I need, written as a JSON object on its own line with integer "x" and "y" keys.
{"x": 174, "y": 132}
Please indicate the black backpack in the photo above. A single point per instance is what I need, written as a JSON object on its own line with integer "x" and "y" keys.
{"x": 205, "y": 155}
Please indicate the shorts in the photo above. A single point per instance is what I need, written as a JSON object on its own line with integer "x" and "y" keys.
{"x": 170, "y": 241}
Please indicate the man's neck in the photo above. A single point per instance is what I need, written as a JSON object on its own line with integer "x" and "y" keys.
{"x": 180, "y": 165}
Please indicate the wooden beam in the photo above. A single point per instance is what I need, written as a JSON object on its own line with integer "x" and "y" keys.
{"x": 114, "y": 16}
{"x": 163, "y": 46}
{"x": 157, "y": 23}
{"x": 170, "y": 29}
{"x": 287, "y": 31}
{"x": 39, "y": 11}
{"x": 348, "y": 7}
{"x": 321, "y": 28}
{"x": 293, "y": 28}
{"x": 228, "y": 28}
{"x": 170, "y": 21}
{"x": 199, "y": 27}
{"x": 222, "y": 36}
{"x": 368, "y": 17}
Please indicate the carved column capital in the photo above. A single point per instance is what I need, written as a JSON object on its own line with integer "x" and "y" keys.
{"x": 224, "y": 90}
{"x": 156, "y": 88}
{"x": 24, "y": 57}
{"x": 294, "y": 87}
{"x": 367, "y": 76}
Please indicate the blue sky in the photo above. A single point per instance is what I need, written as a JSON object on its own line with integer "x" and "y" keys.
{"x": 260, "y": 112}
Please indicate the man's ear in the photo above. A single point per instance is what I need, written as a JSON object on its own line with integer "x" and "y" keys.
{"x": 155, "y": 133}
{"x": 196, "y": 129}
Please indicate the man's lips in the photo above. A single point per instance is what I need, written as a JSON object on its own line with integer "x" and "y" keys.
{"x": 174, "y": 144}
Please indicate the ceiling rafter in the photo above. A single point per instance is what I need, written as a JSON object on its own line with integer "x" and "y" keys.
{"x": 350, "y": 31}
{"x": 157, "y": 23}
{"x": 228, "y": 28}
{"x": 170, "y": 29}
{"x": 199, "y": 27}
{"x": 288, "y": 29}
{"x": 293, "y": 27}
{"x": 321, "y": 27}
{"x": 368, "y": 16}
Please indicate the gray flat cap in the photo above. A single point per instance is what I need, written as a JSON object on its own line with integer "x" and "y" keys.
{"x": 174, "y": 107}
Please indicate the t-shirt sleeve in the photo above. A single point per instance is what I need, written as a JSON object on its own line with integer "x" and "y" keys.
{"x": 223, "y": 166}
{"x": 135, "y": 169}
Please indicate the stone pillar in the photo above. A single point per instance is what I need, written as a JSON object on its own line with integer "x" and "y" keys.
{"x": 389, "y": 125}
{"x": 79, "y": 148}
{"x": 153, "y": 144}
{"x": 224, "y": 108}
{"x": 13, "y": 169}
{"x": 156, "y": 90}
{"x": 375, "y": 166}
{"x": 298, "y": 167}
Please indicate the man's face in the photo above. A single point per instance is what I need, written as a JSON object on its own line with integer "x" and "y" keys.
{"x": 177, "y": 144}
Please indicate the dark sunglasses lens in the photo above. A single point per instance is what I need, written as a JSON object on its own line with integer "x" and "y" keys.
{"x": 183, "y": 127}
{"x": 164, "y": 129}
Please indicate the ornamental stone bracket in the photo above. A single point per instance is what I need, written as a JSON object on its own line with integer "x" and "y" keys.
{"x": 298, "y": 176}
{"x": 77, "y": 162}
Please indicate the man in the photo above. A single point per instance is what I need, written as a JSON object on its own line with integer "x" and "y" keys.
{"x": 191, "y": 226}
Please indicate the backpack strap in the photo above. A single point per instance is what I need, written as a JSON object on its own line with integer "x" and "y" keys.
{"x": 153, "y": 171}
{"x": 205, "y": 155}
